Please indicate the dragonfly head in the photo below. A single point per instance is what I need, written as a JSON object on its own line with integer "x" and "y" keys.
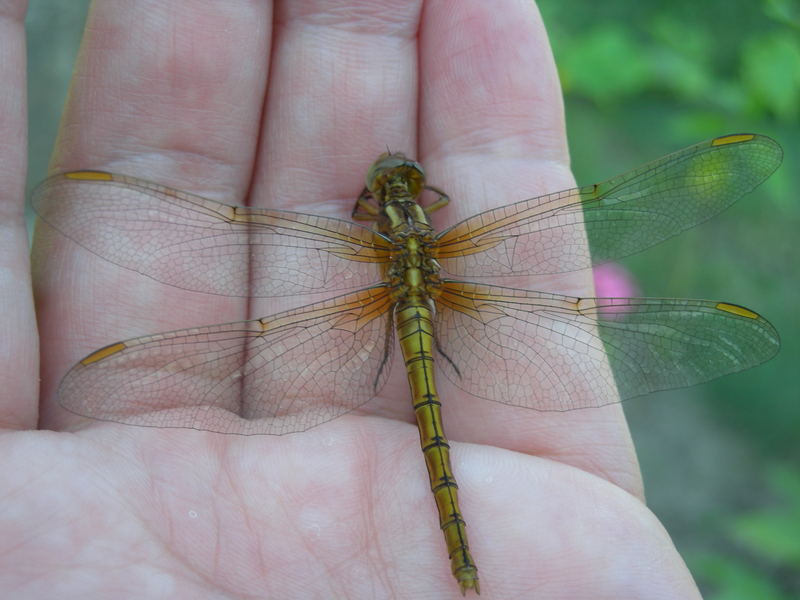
{"x": 398, "y": 167}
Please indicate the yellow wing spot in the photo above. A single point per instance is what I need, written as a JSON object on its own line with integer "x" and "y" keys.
{"x": 103, "y": 353}
{"x": 89, "y": 175}
{"x": 732, "y": 139}
{"x": 737, "y": 310}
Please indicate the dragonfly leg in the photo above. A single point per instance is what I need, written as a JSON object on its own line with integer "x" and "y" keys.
{"x": 387, "y": 349}
{"x": 446, "y": 357}
{"x": 366, "y": 208}
{"x": 440, "y": 202}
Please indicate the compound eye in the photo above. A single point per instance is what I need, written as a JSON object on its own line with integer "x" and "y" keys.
{"x": 415, "y": 177}
{"x": 395, "y": 164}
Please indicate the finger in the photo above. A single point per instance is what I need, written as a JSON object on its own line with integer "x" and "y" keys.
{"x": 492, "y": 127}
{"x": 491, "y": 100}
{"x": 19, "y": 367}
{"x": 169, "y": 91}
{"x": 343, "y": 88}
{"x": 165, "y": 91}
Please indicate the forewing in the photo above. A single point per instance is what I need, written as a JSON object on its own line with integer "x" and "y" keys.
{"x": 276, "y": 375}
{"x": 553, "y": 352}
{"x": 619, "y": 217}
{"x": 197, "y": 244}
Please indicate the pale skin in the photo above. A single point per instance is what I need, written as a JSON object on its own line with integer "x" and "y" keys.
{"x": 287, "y": 105}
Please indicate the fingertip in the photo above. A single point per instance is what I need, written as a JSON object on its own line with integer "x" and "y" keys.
{"x": 489, "y": 82}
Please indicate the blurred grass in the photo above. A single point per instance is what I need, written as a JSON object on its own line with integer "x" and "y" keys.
{"x": 641, "y": 80}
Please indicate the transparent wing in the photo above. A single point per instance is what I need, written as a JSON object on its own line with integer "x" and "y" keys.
{"x": 205, "y": 246}
{"x": 552, "y": 352}
{"x": 620, "y": 216}
{"x": 276, "y": 375}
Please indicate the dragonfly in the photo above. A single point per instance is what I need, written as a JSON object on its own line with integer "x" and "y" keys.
{"x": 396, "y": 277}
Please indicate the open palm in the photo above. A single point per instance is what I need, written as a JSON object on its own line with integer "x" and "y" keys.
{"x": 285, "y": 106}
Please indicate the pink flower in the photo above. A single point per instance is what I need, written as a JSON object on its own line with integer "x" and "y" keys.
{"x": 611, "y": 281}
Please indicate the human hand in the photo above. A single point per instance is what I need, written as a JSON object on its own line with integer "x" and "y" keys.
{"x": 181, "y": 94}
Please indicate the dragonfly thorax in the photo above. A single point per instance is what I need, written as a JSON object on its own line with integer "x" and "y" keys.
{"x": 414, "y": 271}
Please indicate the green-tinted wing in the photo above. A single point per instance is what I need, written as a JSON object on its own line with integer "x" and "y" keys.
{"x": 620, "y": 216}
{"x": 552, "y": 352}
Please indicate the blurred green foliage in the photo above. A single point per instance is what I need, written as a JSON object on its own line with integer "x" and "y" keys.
{"x": 687, "y": 62}
{"x": 732, "y": 579}
{"x": 767, "y": 542}
{"x": 774, "y": 534}
{"x": 644, "y": 79}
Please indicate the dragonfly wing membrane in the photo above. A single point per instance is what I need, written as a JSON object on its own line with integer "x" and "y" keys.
{"x": 555, "y": 353}
{"x": 664, "y": 198}
{"x": 573, "y": 229}
{"x": 201, "y": 245}
{"x": 281, "y": 374}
